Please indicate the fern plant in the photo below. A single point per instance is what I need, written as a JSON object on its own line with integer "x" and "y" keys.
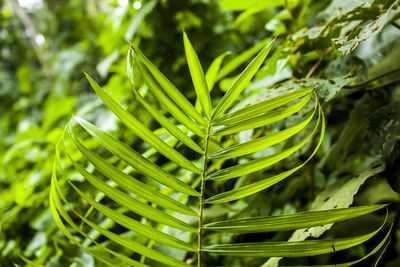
{"x": 201, "y": 153}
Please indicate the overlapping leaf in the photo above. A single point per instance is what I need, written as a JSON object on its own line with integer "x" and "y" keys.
{"x": 185, "y": 126}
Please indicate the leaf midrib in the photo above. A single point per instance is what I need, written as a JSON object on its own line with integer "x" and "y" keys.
{"x": 202, "y": 194}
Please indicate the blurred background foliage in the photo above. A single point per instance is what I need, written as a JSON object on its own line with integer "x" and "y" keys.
{"x": 348, "y": 50}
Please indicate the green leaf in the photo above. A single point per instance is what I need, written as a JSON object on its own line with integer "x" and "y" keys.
{"x": 65, "y": 231}
{"x": 290, "y": 249}
{"x": 257, "y": 164}
{"x": 348, "y": 42}
{"x": 254, "y": 165}
{"x": 291, "y": 221}
{"x": 261, "y": 142}
{"x": 130, "y": 183}
{"x": 125, "y": 242}
{"x": 172, "y": 128}
{"x": 211, "y": 75}
{"x": 136, "y": 226}
{"x": 213, "y": 70}
{"x": 131, "y": 203}
{"x": 56, "y": 207}
{"x": 243, "y": 5}
{"x": 375, "y": 250}
{"x": 168, "y": 87}
{"x": 136, "y": 247}
{"x": 255, "y": 187}
{"x": 339, "y": 195}
{"x": 135, "y": 159}
{"x": 27, "y": 261}
{"x": 241, "y": 58}
{"x": 241, "y": 82}
{"x": 166, "y": 101}
{"x": 250, "y": 189}
{"x": 199, "y": 81}
{"x": 261, "y": 107}
{"x": 262, "y": 120}
{"x": 153, "y": 205}
{"x": 142, "y": 131}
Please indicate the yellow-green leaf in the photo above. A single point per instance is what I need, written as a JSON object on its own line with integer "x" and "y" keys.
{"x": 168, "y": 87}
{"x": 262, "y": 120}
{"x": 290, "y": 221}
{"x": 135, "y": 159}
{"x": 142, "y": 131}
{"x": 199, "y": 81}
{"x": 130, "y": 183}
{"x": 238, "y": 86}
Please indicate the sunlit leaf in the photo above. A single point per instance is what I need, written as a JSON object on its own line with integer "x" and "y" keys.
{"x": 199, "y": 81}
{"x": 241, "y": 82}
{"x": 290, "y": 221}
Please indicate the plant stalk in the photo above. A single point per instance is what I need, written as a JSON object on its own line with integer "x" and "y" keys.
{"x": 202, "y": 193}
{"x": 312, "y": 70}
{"x": 366, "y": 82}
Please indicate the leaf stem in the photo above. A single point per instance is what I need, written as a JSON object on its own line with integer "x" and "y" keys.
{"x": 202, "y": 193}
{"x": 397, "y": 25}
{"x": 372, "y": 79}
{"x": 312, "y": 70}
{"x": 384, "y": 84}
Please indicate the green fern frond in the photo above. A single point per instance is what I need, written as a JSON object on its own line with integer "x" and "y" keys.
{"x": 196, "y": 146}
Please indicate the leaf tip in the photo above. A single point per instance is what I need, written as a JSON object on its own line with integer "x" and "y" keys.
{"x": 77, "y": 118}
{"x": 185, "y": 38}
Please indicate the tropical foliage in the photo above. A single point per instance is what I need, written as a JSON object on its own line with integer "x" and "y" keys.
{"x": 211, "y": 127}
{"x": 244, "y": 159}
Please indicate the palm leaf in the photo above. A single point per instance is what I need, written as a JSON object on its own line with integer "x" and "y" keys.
{"x": 147, "y": 196}
{"x": 167, "y": 86}
{"x": 140, "y": 130}
{"x": 135, "y": 159}
{"x": 132, "y": 185}
{"x": 168, "y": 125}
{"x": 199, "y": 80}
{"x": 291, "y": 221}
{"x": 291, "y": 249}
{"x": 237, "y": 87}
